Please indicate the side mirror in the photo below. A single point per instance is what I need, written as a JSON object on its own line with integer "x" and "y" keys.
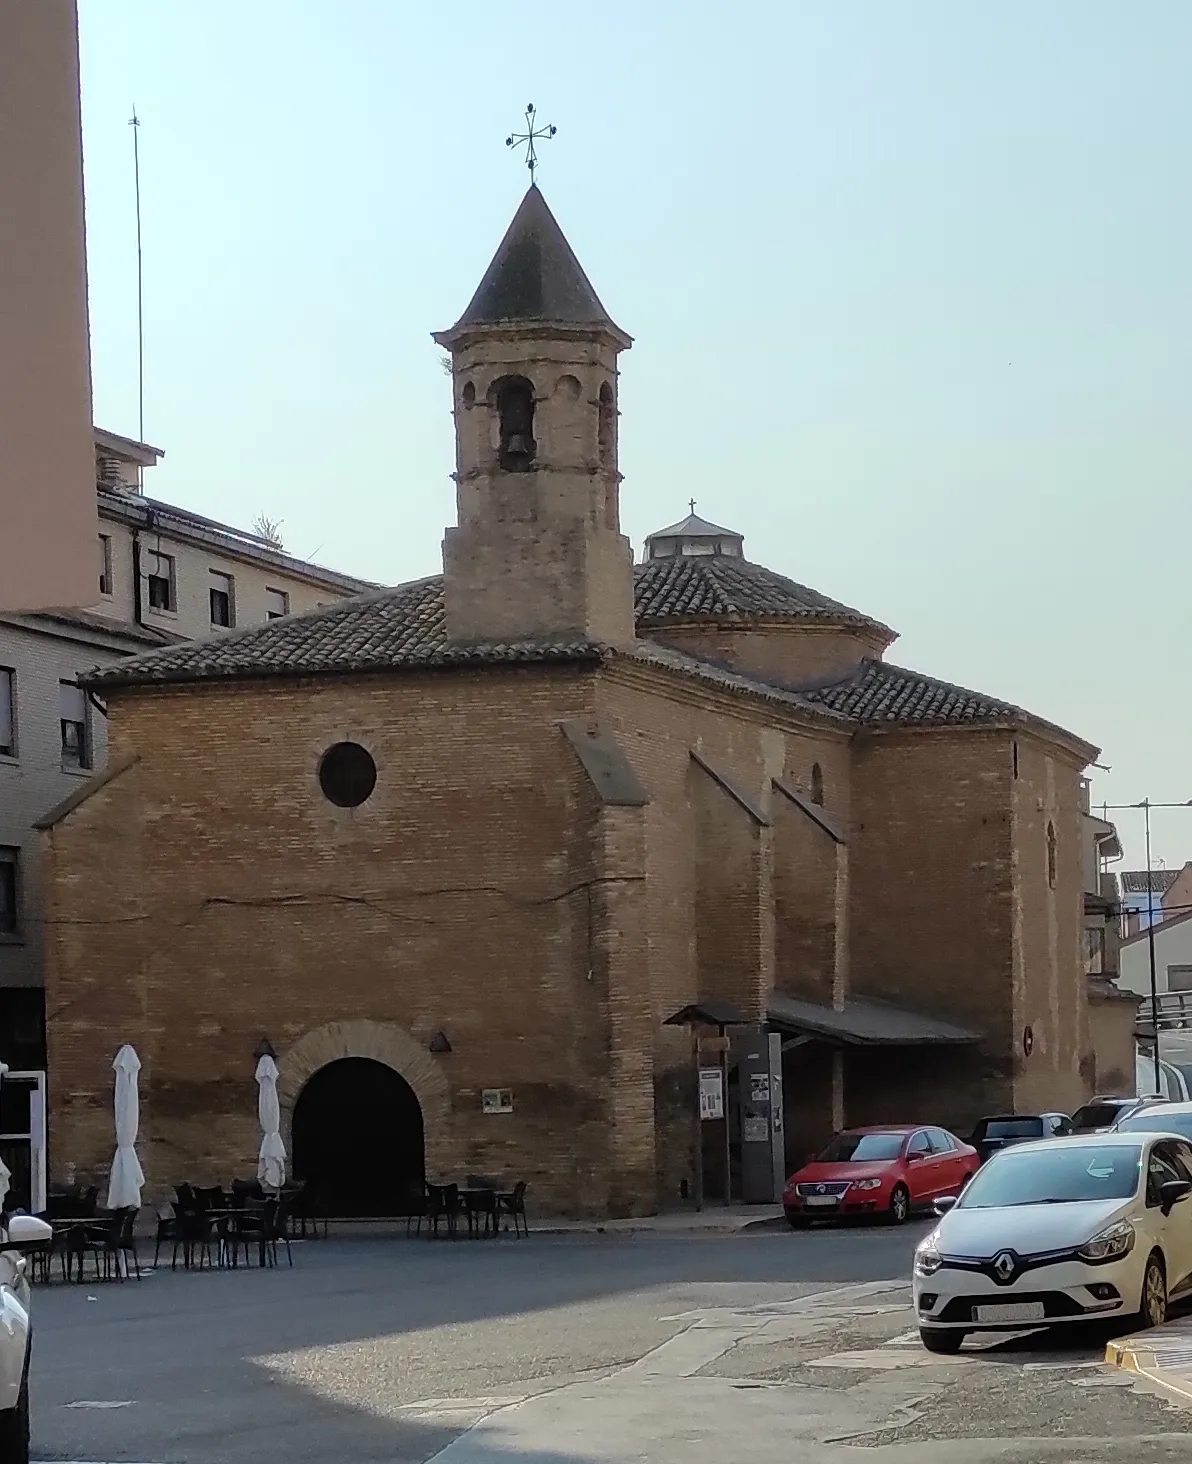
{"x": 27, "y": 1231}
{"x": 944, "y": 1204}
{"x": 1172, "y": 1192}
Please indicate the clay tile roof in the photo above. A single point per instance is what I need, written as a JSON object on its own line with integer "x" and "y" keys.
{"x": 402, "y": 628}
{"x": 686, "y": 587}
{"x": 534, "y": 275}
{"x": 876, "y": 692}
{"x": 1134, "y": 881}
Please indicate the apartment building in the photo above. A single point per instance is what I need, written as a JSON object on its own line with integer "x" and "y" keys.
{"x": 162, "y": 574}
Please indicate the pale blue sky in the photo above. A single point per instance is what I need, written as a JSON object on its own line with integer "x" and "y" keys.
{"x": 909, "y": 282}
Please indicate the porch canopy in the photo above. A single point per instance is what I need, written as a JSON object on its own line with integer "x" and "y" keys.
{"x": 862, "y": 1023}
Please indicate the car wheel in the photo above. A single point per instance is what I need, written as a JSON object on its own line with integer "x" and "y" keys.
{"x": 938, "y": 1341}
{"x": 1152, "y": 1310}
{"x": 14, "y": 1429}
{"x": 900, "y": 1205}
{"x": 798, "y": 1222}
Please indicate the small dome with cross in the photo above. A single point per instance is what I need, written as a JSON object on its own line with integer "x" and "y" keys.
{"x": 695, "y": 535}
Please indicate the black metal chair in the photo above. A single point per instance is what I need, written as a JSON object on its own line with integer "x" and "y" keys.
{"x": 442, "y": 1204}
{"x": 111, "y": 1241}
{"x": 167, "y": 1230}
{"x": 277, "y": 1230}
{"x": 480, "y": 1204}
{"x": 416, "y": 1207}
{"x": 193, "y": 1234}
{"x": 513, "y": 1204}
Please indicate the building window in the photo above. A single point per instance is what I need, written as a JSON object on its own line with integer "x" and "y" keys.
{"x": 223, "y": 609}
{"x": 1015, "y": 745}
{"x": 347, "y": 774}
{"x": 105, "y": 564}
{"x": 72, "y": 712}
{"x": 515, "y": 408}
{"x": 1051, "y": 854}
{"x": 8, "y": 713}
{"x": 1179, "y": 978}
{"x": 163, "y": 591}
{"x": 9, "y": 890}
{"x": 817, "y": 783}
{"x": 277, "y": 604}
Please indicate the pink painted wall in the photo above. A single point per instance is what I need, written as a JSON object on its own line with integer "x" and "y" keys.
{"x": 48, "y": 522}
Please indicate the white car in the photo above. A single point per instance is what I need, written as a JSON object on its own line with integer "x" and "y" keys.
{"x": 1063, "y": 1230}
{"x": 22, "y": 1233}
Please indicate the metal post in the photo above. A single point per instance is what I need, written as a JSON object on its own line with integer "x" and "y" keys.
{"x": 1150, "y": 942}
{"x": 699, "y": 1127}
{"x": 728, "y": 1126}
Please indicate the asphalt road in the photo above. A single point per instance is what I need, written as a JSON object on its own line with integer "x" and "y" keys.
{"x": 562, "y": 1350}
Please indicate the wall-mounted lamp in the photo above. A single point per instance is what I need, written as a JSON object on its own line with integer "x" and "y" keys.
{"x": 439, "y": 1043}
{"x": 264, "y": 1048}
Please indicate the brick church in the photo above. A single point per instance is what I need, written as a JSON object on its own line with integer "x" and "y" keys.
{"x": 456, "y": 851}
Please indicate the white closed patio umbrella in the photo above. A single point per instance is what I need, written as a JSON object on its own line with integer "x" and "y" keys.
{"x": 271, "y": 1165}
{"x": 5, "y": 1172}
{"x": 127, "y": 1177}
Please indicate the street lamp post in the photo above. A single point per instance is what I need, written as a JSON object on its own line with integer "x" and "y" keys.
{"x": 1146, "y": 805}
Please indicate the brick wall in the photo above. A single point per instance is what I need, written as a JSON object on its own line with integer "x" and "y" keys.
{"x": 931, "y": 897}
{"x": 1050, "y": 985}
{"x": 456, "y": 898}
{"x": 695, "y": 905}
{"x": 784, "y": 653}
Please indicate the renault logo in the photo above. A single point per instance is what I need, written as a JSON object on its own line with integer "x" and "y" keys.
{"x": 1004, "y": 1266}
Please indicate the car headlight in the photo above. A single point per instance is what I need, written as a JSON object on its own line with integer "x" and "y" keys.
{"x": 1111, "y": 1244}
{"x": 867, "y": 1184}
{"x": 927, "y": 1258}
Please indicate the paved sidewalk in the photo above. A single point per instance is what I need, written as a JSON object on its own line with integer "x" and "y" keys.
{"x": 1162, "y": 1356}
{"x": 674, "y": 1222}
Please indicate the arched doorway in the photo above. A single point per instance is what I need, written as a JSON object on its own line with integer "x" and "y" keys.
{"x": 358, "y": 1141}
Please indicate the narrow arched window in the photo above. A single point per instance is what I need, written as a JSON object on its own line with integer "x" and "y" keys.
{"x": 817, "y": 783}
{"x": 1051, "y": 854}
{"x": 606, "y": 427}
{"x": 515, "y": 409}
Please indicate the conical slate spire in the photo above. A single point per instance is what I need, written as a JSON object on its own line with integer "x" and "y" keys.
{"x": 535, "y": 276}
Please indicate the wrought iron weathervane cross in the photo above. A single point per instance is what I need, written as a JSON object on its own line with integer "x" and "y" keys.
{"x": 527, "y": 139}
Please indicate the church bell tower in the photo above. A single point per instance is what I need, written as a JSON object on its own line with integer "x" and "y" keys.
{"x": 537, "y": 552}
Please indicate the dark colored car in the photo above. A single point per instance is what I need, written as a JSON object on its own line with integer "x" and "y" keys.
{"x": 1099, "y": 1115}
{"x": 886, "y": 1171}
{"x": 1001, "y": 1130}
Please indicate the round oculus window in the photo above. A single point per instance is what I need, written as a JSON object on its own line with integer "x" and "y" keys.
{"x": 347, "y": 774}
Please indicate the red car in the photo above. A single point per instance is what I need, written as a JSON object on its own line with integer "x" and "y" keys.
{"x": 887, "y": 1171}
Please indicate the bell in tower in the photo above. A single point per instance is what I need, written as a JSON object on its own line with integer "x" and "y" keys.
{"x": 515, "y": 412}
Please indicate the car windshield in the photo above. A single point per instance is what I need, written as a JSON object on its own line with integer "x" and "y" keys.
{"x": 862, "y": 1148}
{"x": 1158, "y": 1120}
{"x": 1009, "y": 1128}
{"x": 1056, "y": 1175}
{"x": 1096, "y": 1115}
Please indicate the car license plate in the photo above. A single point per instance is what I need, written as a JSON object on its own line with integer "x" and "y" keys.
{"x": 822, "y": 1200}
{"x": 1023, "y": 1311}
